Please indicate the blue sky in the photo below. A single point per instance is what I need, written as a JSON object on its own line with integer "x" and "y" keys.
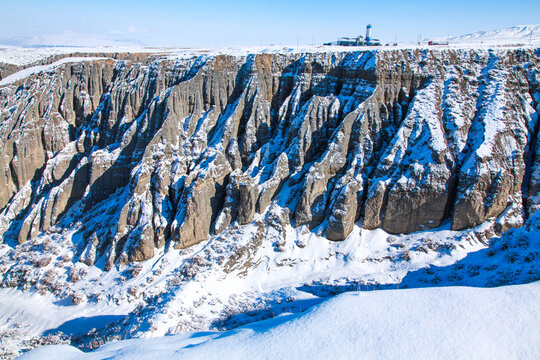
{"x": 239, "y": 22}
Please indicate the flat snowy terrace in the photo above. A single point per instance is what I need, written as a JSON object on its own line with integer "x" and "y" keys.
{"x": 28, "y": 56}
{"x": 424, "y": 323}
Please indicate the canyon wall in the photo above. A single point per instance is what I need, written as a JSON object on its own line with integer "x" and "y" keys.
{"x": 141, "y": 153}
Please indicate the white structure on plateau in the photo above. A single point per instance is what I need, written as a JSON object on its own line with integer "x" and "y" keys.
{"x": 357, "y": 41}
{"x": 368, "y": 33}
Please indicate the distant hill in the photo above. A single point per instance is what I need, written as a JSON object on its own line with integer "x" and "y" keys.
{"x": 514, "y": 34}
{"x": 69, "y": 38}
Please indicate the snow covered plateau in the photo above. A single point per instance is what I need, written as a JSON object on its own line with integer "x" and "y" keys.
{"x": 280, "y": 203}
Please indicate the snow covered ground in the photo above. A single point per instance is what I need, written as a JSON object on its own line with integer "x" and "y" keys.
{"x": 234, "y": 280}
{"x": 425, "y": 323}
{"x": 24, "y": 315}
{"x": 194, "y": 289}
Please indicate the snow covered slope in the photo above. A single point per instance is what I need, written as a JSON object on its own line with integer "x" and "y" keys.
{"x": 37, "y": 69}
{"x": 520, "y": 34}
{"x": 431, "y": 323}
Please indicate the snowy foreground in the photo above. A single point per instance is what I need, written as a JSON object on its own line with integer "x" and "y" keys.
{"x": 425, "y": 323}
{"x": 421, "y": 317}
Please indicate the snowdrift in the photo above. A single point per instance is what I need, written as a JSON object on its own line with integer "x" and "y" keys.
{"x": 425, "y": 323}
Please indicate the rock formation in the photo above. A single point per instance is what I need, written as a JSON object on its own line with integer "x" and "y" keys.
{"x": 173, "y": 151}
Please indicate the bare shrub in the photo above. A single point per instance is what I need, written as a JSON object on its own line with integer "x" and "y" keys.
{"x": 43, "y": 261}
{"x": 175, "y": 281}
{"x": 136, "y": 270}
{"x": 67, "y": 258}
{"x": 50, "y": 277}
{"x": 78, "y": 298}
{"x": 133, "y": 290}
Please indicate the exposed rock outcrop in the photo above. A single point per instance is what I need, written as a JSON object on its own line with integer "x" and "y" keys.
{"x": 146, "y": 151}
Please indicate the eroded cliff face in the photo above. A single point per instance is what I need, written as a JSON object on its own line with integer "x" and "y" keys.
{"x": 142, "y": 155}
